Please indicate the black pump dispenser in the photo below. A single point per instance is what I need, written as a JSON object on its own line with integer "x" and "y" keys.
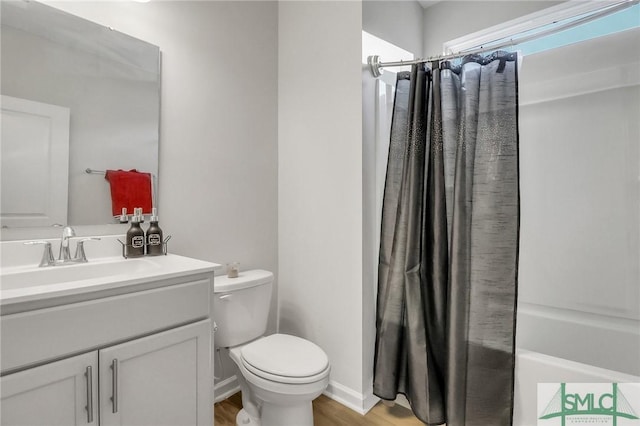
{"x": 154, "y": 236}
{"x": 135, "y": 237}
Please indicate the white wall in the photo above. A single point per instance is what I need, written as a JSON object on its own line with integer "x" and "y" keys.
{"x": 398, "y": 22}
{"x": 218, "y": 138}
{"x": 451, "y": 19}
{"x": 320, "y": 185}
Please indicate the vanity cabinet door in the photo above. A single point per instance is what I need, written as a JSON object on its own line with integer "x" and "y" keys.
{"x": 60, "y": 393}
{"x": 162, "y": 379}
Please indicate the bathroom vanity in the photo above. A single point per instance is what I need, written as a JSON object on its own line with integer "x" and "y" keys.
{"x": 114, "y": 341}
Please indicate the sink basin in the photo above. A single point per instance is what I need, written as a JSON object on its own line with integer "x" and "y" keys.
{"x": 19, "y": 278}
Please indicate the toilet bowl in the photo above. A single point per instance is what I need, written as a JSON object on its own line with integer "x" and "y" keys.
{"x": 279, "y": 374}
{"x": 283, "y": 374}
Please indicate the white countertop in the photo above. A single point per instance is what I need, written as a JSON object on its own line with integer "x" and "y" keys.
{"x": 145, "y": 269}
{"x": 22, "y": 281}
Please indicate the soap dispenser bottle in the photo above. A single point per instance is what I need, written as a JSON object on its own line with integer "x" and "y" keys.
{"x": 154, "y": 235}
{"x": 135, "y": 238}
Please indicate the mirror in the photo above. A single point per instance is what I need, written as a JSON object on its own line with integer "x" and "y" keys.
{"x": 95, "y": 86}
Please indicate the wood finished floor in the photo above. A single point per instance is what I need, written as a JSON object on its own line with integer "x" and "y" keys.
{"x": 327, "y": 412}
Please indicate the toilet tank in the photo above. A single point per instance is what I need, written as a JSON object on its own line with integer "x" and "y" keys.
{"x": 241, "y": 307}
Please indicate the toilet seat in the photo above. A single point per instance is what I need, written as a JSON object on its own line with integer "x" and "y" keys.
{"x": 285, "y": 359}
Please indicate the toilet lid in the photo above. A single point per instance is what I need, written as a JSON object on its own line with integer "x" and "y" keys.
{"x": 285, "y": 356}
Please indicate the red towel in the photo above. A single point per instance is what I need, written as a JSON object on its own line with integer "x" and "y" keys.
{"x": 129, "y": 189}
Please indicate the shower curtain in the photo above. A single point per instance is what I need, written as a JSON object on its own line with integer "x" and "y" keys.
{"x": 447, "y": 273}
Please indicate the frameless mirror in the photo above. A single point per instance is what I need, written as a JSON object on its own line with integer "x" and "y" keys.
{"x": 75, "y": 96}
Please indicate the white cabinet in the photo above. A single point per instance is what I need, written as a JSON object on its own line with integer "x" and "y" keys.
{"x": 162, "y": 379}
{"x": 54, "y": 394}
{"x": 136, "y": 355}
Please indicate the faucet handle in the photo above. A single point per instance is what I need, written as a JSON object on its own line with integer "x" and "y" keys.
{"x": 47, "y": 255}
{"x": 80, "y": 255}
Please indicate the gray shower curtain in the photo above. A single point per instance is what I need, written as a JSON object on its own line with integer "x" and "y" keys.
{"x": 447, "y": 276}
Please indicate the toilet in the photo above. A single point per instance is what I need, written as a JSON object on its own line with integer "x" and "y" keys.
{"x": 279, "y": 374}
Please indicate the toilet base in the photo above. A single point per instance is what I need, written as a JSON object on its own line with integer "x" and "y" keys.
{"x": 287, "y": 415}
{"x": 244, "y": 419}
{"x": 277, "y": 415}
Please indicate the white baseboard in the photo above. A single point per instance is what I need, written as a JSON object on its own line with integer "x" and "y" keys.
{"x": 225, "y": 388}
{"x": 351, "y": 399}
{"x": 369, "y": 401}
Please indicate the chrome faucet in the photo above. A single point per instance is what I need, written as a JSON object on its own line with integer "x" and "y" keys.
{"x": 65, "y": 254}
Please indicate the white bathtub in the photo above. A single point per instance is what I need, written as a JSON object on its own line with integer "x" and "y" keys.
{"x": 533, "y": 368}
{"x": 567, "y": 346}
{"x": 604, "y": 341}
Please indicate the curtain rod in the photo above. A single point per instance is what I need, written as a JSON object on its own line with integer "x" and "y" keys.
{"x": 375, "y": 65}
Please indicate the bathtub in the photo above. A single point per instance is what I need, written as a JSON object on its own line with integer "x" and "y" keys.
{"x": 562, "y": 346}
{"x": 533, "y": 368}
